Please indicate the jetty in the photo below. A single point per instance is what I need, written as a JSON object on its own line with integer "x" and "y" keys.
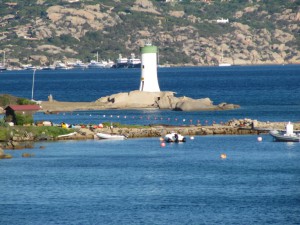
{"x": 21, "y": 138}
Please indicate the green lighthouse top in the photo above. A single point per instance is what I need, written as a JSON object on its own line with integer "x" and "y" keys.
{"x": 148, "y": 49}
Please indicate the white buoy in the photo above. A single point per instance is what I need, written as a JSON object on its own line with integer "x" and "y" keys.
{"x": 192, "y": 138}
{"x": 259, "y": 139}
{"x": 149, "y": 81}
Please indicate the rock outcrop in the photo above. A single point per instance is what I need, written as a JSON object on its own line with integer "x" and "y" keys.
{"x": 161, "y": 100}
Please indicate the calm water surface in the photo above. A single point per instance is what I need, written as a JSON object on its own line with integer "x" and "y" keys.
{"x": 139, "y": 182}
{"x": 265, "y": 93}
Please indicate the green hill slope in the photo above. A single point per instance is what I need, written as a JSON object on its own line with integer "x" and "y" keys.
{"x": 41, "y": 32}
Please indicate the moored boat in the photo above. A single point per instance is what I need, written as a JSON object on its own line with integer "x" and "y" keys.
{"x": 174, "y": 137}
{"x": 121, "y": 62}
{"x": 110, "y": 136}
{"x": 134, "y": 62}
{"x": 61, "y": 66}
{"x": 79, "y": 65}
{"x": 287, "y": 136}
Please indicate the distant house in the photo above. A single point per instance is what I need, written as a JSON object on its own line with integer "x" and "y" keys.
{"x": 11, "y": 111}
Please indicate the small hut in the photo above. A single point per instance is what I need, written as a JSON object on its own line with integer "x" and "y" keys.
{"x": 20, "y": 114}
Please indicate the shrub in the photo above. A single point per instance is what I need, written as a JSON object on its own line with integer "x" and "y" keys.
{"x": 24, "y": 101}
{"x": 23, "y": 119}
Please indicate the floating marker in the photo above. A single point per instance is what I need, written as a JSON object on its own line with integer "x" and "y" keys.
{"x": 223, "y": 156}
{"x": 259, "y": 139}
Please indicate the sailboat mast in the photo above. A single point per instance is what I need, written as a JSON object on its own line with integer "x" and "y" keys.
{"x": 32, "y": 84}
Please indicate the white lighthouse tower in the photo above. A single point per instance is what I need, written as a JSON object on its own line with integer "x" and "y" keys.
{"x": 149, "y": 81}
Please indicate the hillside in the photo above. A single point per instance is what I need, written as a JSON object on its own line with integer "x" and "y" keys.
{"x": 41, "y": 32}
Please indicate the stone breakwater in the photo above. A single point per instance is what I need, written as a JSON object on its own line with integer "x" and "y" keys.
{"x": 233, "y": 127}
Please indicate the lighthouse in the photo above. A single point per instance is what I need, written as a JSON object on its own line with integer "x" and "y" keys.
{"x": 149, "y": 81}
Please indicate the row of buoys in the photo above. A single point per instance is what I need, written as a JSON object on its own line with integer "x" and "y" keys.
{"x": 206, "y": 122}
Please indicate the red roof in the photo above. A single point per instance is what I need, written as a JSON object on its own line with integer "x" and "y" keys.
{"x": 24, "y": 107}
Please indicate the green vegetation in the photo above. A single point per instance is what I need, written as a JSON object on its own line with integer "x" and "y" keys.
{"x": 23, "y": 119}
{"x": 119, "y": 125}
{"x": 6, "y": 100}
{"x": 6, "y": 132}
{"x": 25, "y": 101}
{"x": 122, "y": 37}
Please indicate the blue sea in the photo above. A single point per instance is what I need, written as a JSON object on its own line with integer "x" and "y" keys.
{"x": 137, "y": 181}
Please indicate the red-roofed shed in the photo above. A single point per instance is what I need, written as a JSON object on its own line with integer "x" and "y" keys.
{"x": 11, "y": 111}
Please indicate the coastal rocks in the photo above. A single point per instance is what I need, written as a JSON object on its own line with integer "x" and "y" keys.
{"x": 188, "y": 104}
{"x": 3, "y": 155}
{"x": 161, "y": 100}
{"x": 133, "y": 99}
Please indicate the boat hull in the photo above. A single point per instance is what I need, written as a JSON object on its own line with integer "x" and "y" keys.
{"x": 280, "y": 136}
{"x": 174, "y": 138}
{"x": 110, "y": 136}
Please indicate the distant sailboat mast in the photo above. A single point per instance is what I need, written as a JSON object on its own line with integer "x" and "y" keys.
{"x": 32, "y": 85}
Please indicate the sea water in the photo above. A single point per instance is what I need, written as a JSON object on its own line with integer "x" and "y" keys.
{"x": 265, "y": 93}
{"x": 137, "y": 181}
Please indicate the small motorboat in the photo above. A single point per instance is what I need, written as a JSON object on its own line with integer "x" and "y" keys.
{"x": 288, "y": 135}
{"x": 110, "y": 136}
{"x": 174, "y": 137}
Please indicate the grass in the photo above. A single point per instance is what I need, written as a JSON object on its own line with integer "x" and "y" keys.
{"x": 7, "y": 132}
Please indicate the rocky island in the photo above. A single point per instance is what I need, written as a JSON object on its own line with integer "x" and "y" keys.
{"x": 138, "y": 100}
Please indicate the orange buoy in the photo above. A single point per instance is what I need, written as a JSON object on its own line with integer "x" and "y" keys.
{"x": 223, "y": 156}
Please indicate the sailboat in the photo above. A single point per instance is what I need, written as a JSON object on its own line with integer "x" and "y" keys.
{"x": 32, "y": 90}
{"x": 96, "y": 64}
{"x": 222, "y": 63}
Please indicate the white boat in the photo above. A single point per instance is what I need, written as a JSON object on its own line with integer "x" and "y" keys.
{"x": 95, "y": 64}
{"x": 61, "y": 66}
{"x": 287, "y": 136}
{"x": 109, "y": 64}
{"x": 134, "y": 62}
{"x": 79, "y": 65}
{"x": 110, "y": 136}
{"x": 174, "y": 137}
{"x": 121, "y": 62}
{"x": 2, "y": 67}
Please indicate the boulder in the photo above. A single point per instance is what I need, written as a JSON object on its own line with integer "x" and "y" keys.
{"x": 188, "y": 104}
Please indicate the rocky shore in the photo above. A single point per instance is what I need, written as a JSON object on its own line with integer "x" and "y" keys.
{"x": 138, "y": 100}
{"x": 233, "y": 127}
